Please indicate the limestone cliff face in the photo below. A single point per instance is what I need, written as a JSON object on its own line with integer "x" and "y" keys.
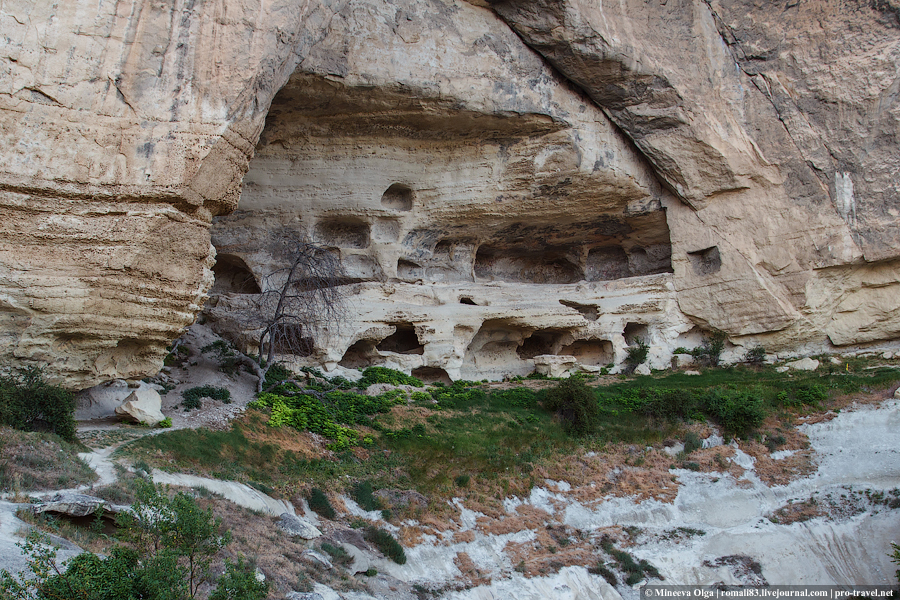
{"x": 125, "y": 127}
{"x": 501, "y": 180}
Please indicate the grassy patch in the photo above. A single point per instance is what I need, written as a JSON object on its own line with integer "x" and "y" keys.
{"x": 39, "y": 461}
{"x": 228, "y": 454}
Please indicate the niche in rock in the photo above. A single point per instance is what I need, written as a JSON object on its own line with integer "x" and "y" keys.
{"x": 397, "y": 197}
{"x": 589, "y": 312}
{"x": 608, "y": 262}
{"x": 590, "y": 352}
{"x": 406, "y": 269}
{"x": 432, "y": 375}
{"x": 635, "y": 331}
{"x": 467, "y": 301}
{"x": 343, "y": 233}
{"x": 233, "y": 276}
{"x": 495, "y": 345}
{"x": 403, "y": 341}
{"x": 655, "y": 258}
{"x": 540, "y": 342}
{"x": 360, "y": 355}
{"x": 706, "y": 261}
{"x": 552, "y": 266}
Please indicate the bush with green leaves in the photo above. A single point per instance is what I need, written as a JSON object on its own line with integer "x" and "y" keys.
{"x": 755, "y": 355}
{"x": 575, "y": 404}
{"x": 518, "y": 397}
{"x": 363, "y": 493}
{"x": 325, "y": 413}
{"x": 386, "y": 543}
{"x": 193, "y": 396}
{"x": 319, "y": 503}
{"x": 637, "y": 354}
{"x": 461, "y": 395}
{"x": 29, "y": 403}
{"x": 173, "y": 545}
{"x": 373, "y": 375}
{"x": 710, "y": 350}
{"x": 240, "y": 583}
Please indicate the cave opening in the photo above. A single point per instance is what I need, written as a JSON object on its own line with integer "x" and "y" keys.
{"x": 596, "y": 353}
{"x": 398, "y": 197}
{"x": 545, "y": 341}
{"x": 635, "y": 331}
{"x": 403, "y": 341}
{"x": 432, "y": 375}
{"x": 359, "y": 355}
{"x": 233, "y": 276}
{"x": 343, "y": 233}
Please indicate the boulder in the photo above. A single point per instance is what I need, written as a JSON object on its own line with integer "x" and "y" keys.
{"x": 294, "y": 525}
{"x": 101, "y": 401}
{"x": 553, "y": 365}
{"x": 642, "y": 369}
{"x": 75, "y": 505}
{"x": 804, "y": 364}
{"x": 142, "y": 406}
{"x": 318, "y": 559}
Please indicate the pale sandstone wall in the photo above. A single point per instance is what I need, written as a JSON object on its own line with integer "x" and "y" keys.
{"x": 745, "y": 153}
{"x": 125, "y": 126}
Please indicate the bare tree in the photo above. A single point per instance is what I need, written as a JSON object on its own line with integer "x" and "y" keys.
{"x": 305, "y": 295}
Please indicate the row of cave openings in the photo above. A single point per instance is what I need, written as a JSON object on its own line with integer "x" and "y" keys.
{"x": 468, "y": 259}
{"x": 497, "y": 343}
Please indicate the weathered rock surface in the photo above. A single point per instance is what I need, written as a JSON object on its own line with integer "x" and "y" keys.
{"x": 804, "y": 364}
{"x": 142, "y": 406}
{"x": 76, "y": 505}
{"x": 294, "y": 525}
{"x": 741, "y": 155}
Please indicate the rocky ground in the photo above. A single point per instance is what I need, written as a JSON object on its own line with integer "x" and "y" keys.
{"x": 820, "y": 509}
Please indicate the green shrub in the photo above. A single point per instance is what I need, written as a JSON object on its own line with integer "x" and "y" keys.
{"x": 319, "y": 503}
{"x": 240, "y": 583}
{"x": 165, "y": 423}
{"x": 637, "y": 354}
{"x": 459, "y": 396}
{"x": 28, "y": 403}
{"x": 386, "y": 543}
{"x": 691, "y": 442}
{"x": 193, "y": 396}
{"x": 462, "y": 481}
{"x": 739, "y": 412}
{"x": 755, "y": 355}
{"x": 337, "y": 553}
{"x": 518, "y": 397}
{"x": 710, "y": 349}
{"x": 575, "y": 404}
{"x": 604, "y": 572}
{"x": 276, "y": 374}
{"x": 228, "y": 359}
{"x": 362, "y": 492}
{"x": 373, "y": 375}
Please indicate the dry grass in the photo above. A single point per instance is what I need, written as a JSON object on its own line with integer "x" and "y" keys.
{"x": 38, "y": 461}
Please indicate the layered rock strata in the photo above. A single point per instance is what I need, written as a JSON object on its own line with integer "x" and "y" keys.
{"x": 743, "y": 153}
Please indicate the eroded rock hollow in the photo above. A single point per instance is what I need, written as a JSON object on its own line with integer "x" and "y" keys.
{"x": 503, "y": 182}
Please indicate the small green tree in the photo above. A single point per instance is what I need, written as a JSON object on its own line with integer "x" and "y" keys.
{"x": 575, "y": 404}
{"x": 176, "y": 527}
{"x": 240, "y": 583}
{"x": 637, "y": 354}
{"x": 710, "y": 349}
